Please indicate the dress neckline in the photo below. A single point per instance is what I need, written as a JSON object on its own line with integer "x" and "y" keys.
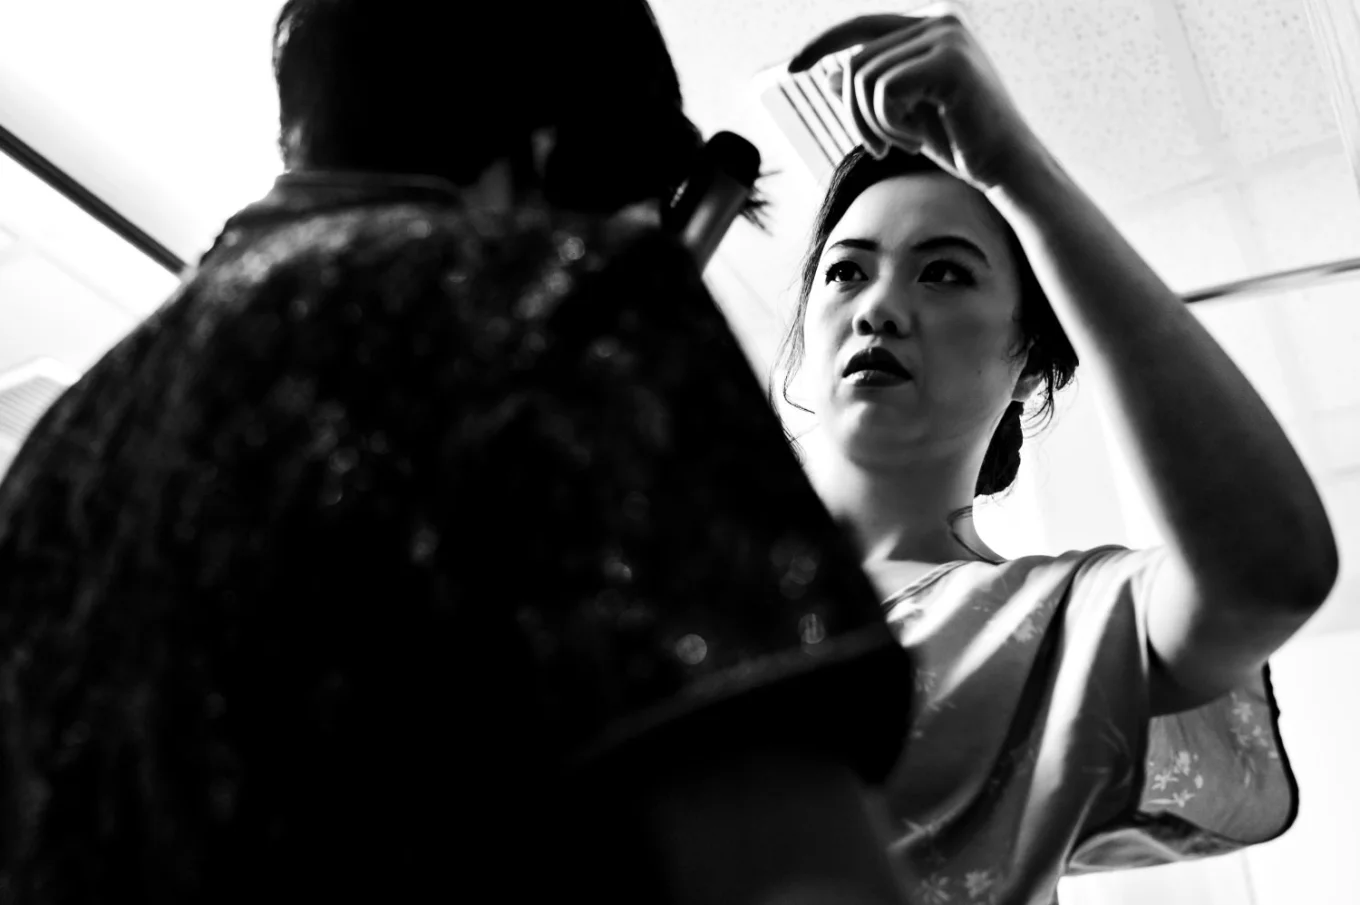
{"x": 932, "y": 575}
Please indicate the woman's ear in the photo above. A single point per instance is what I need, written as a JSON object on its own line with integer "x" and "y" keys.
{"x": 1031, "y": 377}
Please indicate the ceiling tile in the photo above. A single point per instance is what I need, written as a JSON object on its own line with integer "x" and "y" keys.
{"x": 1097, "y": 83}
{"x": 1263, "y": 74}
{"x": 1306, "y": 213}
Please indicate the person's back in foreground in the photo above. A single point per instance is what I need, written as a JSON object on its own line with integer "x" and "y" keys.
{"x": 434, "y": 538}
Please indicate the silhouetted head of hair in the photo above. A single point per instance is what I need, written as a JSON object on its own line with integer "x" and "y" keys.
{"x": 1050, "y": 352}
{"x": 445, "y": 89}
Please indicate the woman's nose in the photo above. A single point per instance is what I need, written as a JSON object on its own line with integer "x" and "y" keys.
{"x": 881, "y": 315}
{"x": 870, "y": 326}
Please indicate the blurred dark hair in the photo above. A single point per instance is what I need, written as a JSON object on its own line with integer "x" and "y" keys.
{"x": 1051, "y": 353}
{"x": 445, "y": 89}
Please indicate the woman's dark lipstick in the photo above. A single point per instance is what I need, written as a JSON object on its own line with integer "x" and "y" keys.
{"x": 875, "y": 367}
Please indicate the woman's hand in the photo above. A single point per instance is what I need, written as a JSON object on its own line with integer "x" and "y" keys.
{"x": 924, "y": 84}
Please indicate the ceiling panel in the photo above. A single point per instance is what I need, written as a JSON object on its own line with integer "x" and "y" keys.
{"x": 1097, "y": 82}
{"x": 1305, "y": 213}
{"x": 1262, "y": 72}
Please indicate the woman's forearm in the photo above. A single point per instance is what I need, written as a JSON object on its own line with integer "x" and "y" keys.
{"x": 1231, "y": 493}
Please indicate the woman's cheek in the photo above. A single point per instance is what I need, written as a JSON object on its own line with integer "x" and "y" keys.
{"x": 820, "y": 343}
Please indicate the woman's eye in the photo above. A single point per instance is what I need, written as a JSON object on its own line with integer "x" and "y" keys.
{"x": 843, "y": 271}
{"x": 947, "y": 272}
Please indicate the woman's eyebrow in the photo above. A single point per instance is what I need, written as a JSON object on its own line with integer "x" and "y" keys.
{"x": 858, "y": 244}
{"x": 934, "y": 243}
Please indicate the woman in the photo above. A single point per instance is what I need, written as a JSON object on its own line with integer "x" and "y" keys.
{"x": 1103, "y": 708}
{"x": 403, "y": 552}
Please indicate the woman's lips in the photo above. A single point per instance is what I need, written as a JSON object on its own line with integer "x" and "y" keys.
{"x": 872, "y": 377}
{"x": 875, "y": 360}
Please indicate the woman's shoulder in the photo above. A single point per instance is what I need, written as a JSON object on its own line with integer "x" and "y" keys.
{"x": 914, "y": 582}
{"x": 1019, "y": 599}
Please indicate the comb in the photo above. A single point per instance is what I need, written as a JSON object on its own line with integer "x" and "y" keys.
{"x": 810, "y": 115}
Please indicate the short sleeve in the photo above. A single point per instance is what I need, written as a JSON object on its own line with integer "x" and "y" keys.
{"x": 1211, "y": 781}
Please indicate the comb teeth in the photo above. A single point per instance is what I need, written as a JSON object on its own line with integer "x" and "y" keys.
{"x": 809, "y": 114}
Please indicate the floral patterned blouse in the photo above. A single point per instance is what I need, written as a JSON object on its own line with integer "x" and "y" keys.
{"x": 1033, "y": 753}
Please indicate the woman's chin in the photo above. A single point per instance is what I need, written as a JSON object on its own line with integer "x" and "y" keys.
{"x": 867, "y": 434}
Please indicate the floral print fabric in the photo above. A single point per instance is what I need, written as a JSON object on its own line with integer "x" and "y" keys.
{"x": 1033, "y": 753}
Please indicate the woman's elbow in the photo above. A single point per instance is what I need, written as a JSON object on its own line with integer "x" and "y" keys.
{"x": 1317, "y": 585}
{"x": 1301, "y": 571}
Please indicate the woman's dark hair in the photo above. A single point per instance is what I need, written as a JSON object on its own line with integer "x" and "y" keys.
{"x": 1050, "y": 353}
{"x": 421, "y": 86}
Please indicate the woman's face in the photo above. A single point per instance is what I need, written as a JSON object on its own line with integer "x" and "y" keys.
{"x": 918, "y": 269}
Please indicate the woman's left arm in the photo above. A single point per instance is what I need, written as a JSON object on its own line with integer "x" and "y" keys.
{"x": 1252, "y": 551}
{"x": 1253, "y": 556}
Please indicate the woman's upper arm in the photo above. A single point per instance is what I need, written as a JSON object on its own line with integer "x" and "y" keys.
{"x": 1202, "y": 644}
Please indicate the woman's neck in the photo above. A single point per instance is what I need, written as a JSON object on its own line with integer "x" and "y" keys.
{"x": 921, "y": 513}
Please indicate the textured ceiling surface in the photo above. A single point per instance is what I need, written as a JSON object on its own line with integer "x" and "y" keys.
{"x": 1262, "y": 73}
